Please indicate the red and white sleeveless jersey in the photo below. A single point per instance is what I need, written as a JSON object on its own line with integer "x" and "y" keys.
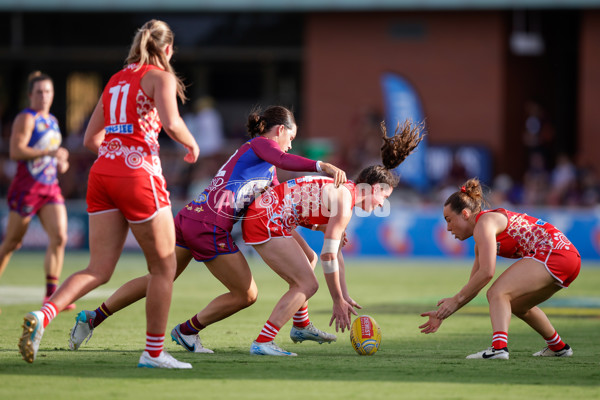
{"x": 527, "y": 236}
{"x": 296, "y": 202}
{"x": 132, "y": 125}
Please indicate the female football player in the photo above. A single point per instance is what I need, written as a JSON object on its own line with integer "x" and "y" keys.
{"x": 547, "y": 262}
{"x": 35, "y": 144}
{"x": 126, "y": 189}
{"x": 203, "y": 231}
{"x": 306, "y": 201}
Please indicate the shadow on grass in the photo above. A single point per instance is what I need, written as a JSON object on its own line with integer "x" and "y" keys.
{"x": 396, "y": 362}
{"x": 469, "y": 310}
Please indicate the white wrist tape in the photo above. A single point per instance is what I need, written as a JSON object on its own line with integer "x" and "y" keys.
{"x": 330, "y": 246}
{"x": 330, "y": 266}
{"x": 319, "y": 166}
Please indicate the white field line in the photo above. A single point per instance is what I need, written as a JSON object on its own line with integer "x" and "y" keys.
{"x": 33, "y": 294}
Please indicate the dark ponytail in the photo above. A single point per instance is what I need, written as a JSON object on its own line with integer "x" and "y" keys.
{"x": 394, "y": 151}
{"x": 261, "y": 122}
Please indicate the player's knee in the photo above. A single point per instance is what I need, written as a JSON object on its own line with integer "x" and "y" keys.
{"x": 102, "y": 279}
{"x": 313, "y": 259}
{"x": 247, "y": 298}
{"x": 311, "y": 287}
{"x": 99, "y": 275}
{"x": 59, "y": 239}
{"x": 10, "y": 245}
{"x": 492, "y": 294}
{"x": 498, "y": 295}
{"x": 250, "y": 299}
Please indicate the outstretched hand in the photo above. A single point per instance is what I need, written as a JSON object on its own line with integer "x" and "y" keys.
{"x": 353, "y": 303}
{"x": 342, "y": 311}
{"x": 447, "y": 307}
{"x": 432, "y": 324}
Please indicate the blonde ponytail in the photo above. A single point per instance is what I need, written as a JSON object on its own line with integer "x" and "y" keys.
{"x": 148, "y": 48}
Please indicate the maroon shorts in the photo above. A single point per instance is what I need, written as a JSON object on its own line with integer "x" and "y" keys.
{"x": 27, "y": 201}
{"x": 204, "y": 240}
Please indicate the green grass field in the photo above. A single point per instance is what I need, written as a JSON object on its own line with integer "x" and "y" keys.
{"x": 409, "y": 365}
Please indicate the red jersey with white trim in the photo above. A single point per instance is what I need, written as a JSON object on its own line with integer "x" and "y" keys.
{"x": 295, "y": 202}
{"x": 527, "y": 236}
{"x": 132, "y": 125}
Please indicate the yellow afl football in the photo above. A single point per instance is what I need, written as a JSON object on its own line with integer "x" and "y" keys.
{"x": 365, "y": 335}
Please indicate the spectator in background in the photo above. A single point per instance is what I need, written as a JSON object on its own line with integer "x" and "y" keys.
{"x": 589, "y": 187}
{"x": 206, "y": 125}
{"x": 538, "y": 133}
{"x": 563, "y": 180}
{"x": 536, "y": 181}
{"x": 503, "y": 191}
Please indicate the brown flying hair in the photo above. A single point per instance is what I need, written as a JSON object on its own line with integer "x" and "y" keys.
{"x": 394, "y": 151}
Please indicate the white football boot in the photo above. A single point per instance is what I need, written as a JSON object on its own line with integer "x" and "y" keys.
{"x": 310, "y": 332}
{"x": 268, "y": 349}
{"x": 491, "y": 353}
{"x": 566, "y": 351}
{"x": 164, "y": 360}
{"x": 191, "y": 343}
{"x": 82, "y": 330}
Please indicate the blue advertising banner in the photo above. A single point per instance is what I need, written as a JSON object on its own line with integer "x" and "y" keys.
{"x": 421, "y": 232}
{"x": 403, "y": 103}
{"x": 404, "y": 231}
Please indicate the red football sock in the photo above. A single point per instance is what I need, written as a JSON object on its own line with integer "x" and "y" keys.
{"x": 555, "y": 342}
{"x": 301, "y": 318}
{"x": 268, "y": 333}
{"x": 154, "y": 343}
{"x": 49, "y": 310}
{"x": 500, "y": 340}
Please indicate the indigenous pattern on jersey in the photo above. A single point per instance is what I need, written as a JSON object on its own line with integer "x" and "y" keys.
{"x": 531, "y": 237}
{"x": 278, "y": 211}
{"x": 132, "y": 125}
{"x": 45, "y": 136}
{"x": 247, "y": 173}
{"x": 527, "y": 236}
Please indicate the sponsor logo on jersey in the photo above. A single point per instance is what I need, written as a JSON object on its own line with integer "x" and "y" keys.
{"x": 120, "y": 128}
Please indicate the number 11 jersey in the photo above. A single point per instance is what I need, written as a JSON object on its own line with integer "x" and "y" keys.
{"x": 132, "y": 125}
